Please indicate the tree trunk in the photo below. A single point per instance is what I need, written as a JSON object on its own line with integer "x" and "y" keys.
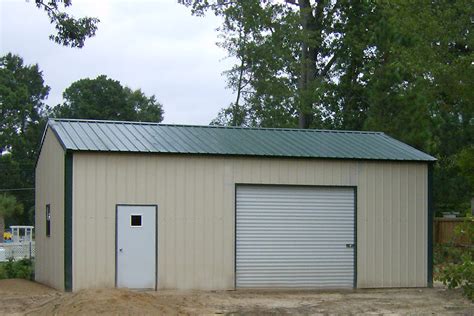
{"x": 2, "y": 228}
{"x": 236, "y": 116}
{"x": 237, "y": 119}
{"x": 305, "y": 81}
{"x": 311, "y": 25}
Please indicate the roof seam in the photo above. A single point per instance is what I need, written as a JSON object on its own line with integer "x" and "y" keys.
{"x": 215, "y": 126}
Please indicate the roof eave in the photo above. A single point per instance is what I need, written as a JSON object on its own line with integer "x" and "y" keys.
{"x": 253, "y": 155}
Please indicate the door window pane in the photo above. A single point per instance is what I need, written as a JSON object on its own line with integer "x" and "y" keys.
{"x": 136, "y": 220}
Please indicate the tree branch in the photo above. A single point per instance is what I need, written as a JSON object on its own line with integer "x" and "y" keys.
{"x": 51, "y": 11}
{"x": 328, "y": 66}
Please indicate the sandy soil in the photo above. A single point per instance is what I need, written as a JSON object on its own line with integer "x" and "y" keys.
{"x": 20, "y": 297}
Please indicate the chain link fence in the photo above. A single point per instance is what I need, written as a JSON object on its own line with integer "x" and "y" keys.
{"x": 17, "y": 250}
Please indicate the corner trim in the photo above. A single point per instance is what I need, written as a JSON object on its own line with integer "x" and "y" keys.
{"x": 68, "y": 173}
{"x": 355, "y": 237}
{"x": 430, "y": 225}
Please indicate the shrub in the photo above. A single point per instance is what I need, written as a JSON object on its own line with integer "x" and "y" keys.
{"x": 459, "y": 271}
{"x": 21, "y": 269}
{"x": 460, "y": 275}
{"x": 3, "y": 274}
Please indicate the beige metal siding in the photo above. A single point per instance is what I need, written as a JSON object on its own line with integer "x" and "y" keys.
{"x": 49, "y": 261}
{"x": 195, "y": 197}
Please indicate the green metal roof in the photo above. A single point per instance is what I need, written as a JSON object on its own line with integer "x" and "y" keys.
{"x": 116, "y": 136}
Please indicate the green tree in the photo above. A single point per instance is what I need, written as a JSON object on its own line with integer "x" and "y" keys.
{"x": 8, "y": 207}
{"x": 106, "y": 99}
{"x": 465, "y": 161}
{"x": 70, "y": 31}
{"x": 22, "y": 95}
{"x": 22, "y": 110}
{"x": 147, "y": 109}
{"x": 436, "y": 112}
{"x": 17, "y": 179}
{"x": 286, "y": 51}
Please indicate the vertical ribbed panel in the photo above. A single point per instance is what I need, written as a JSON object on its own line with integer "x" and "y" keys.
{"x": 49, "y": 264}
{"x": 195, "y": 197}
{"x": 294, "y": 237}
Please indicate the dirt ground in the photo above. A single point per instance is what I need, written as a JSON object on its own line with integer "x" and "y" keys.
{"x": 21, "y": 297}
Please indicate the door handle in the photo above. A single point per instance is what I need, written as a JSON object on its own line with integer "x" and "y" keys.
{"x": 350, "y": 245}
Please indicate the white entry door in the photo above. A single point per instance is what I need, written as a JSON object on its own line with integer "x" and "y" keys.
{"x": 136, "y": 246}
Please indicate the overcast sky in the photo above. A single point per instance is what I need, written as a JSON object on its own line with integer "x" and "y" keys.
{"x": 155, "y": 45}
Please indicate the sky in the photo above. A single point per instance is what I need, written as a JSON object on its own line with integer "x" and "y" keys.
{"x": 154, "y": 45}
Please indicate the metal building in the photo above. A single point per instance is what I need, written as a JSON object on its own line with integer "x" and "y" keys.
{"x": 143, "y": 205}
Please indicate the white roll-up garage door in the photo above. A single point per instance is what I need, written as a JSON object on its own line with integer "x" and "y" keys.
{"x": 294, "y": 237}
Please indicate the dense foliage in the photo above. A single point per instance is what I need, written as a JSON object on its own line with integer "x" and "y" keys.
{"x": 22, "y": 120}
{"x": 399, "y": 67}
{"x": 105, "y": 98}
{"x": 70, "y": 31}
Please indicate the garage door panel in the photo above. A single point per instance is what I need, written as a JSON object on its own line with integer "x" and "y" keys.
{"x": 294, "y": 236}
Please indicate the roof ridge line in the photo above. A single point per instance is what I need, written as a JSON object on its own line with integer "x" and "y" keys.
{"x": 216, "y": 126}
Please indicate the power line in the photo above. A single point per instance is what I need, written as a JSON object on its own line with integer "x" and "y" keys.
{"x": 18, "y": 189}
